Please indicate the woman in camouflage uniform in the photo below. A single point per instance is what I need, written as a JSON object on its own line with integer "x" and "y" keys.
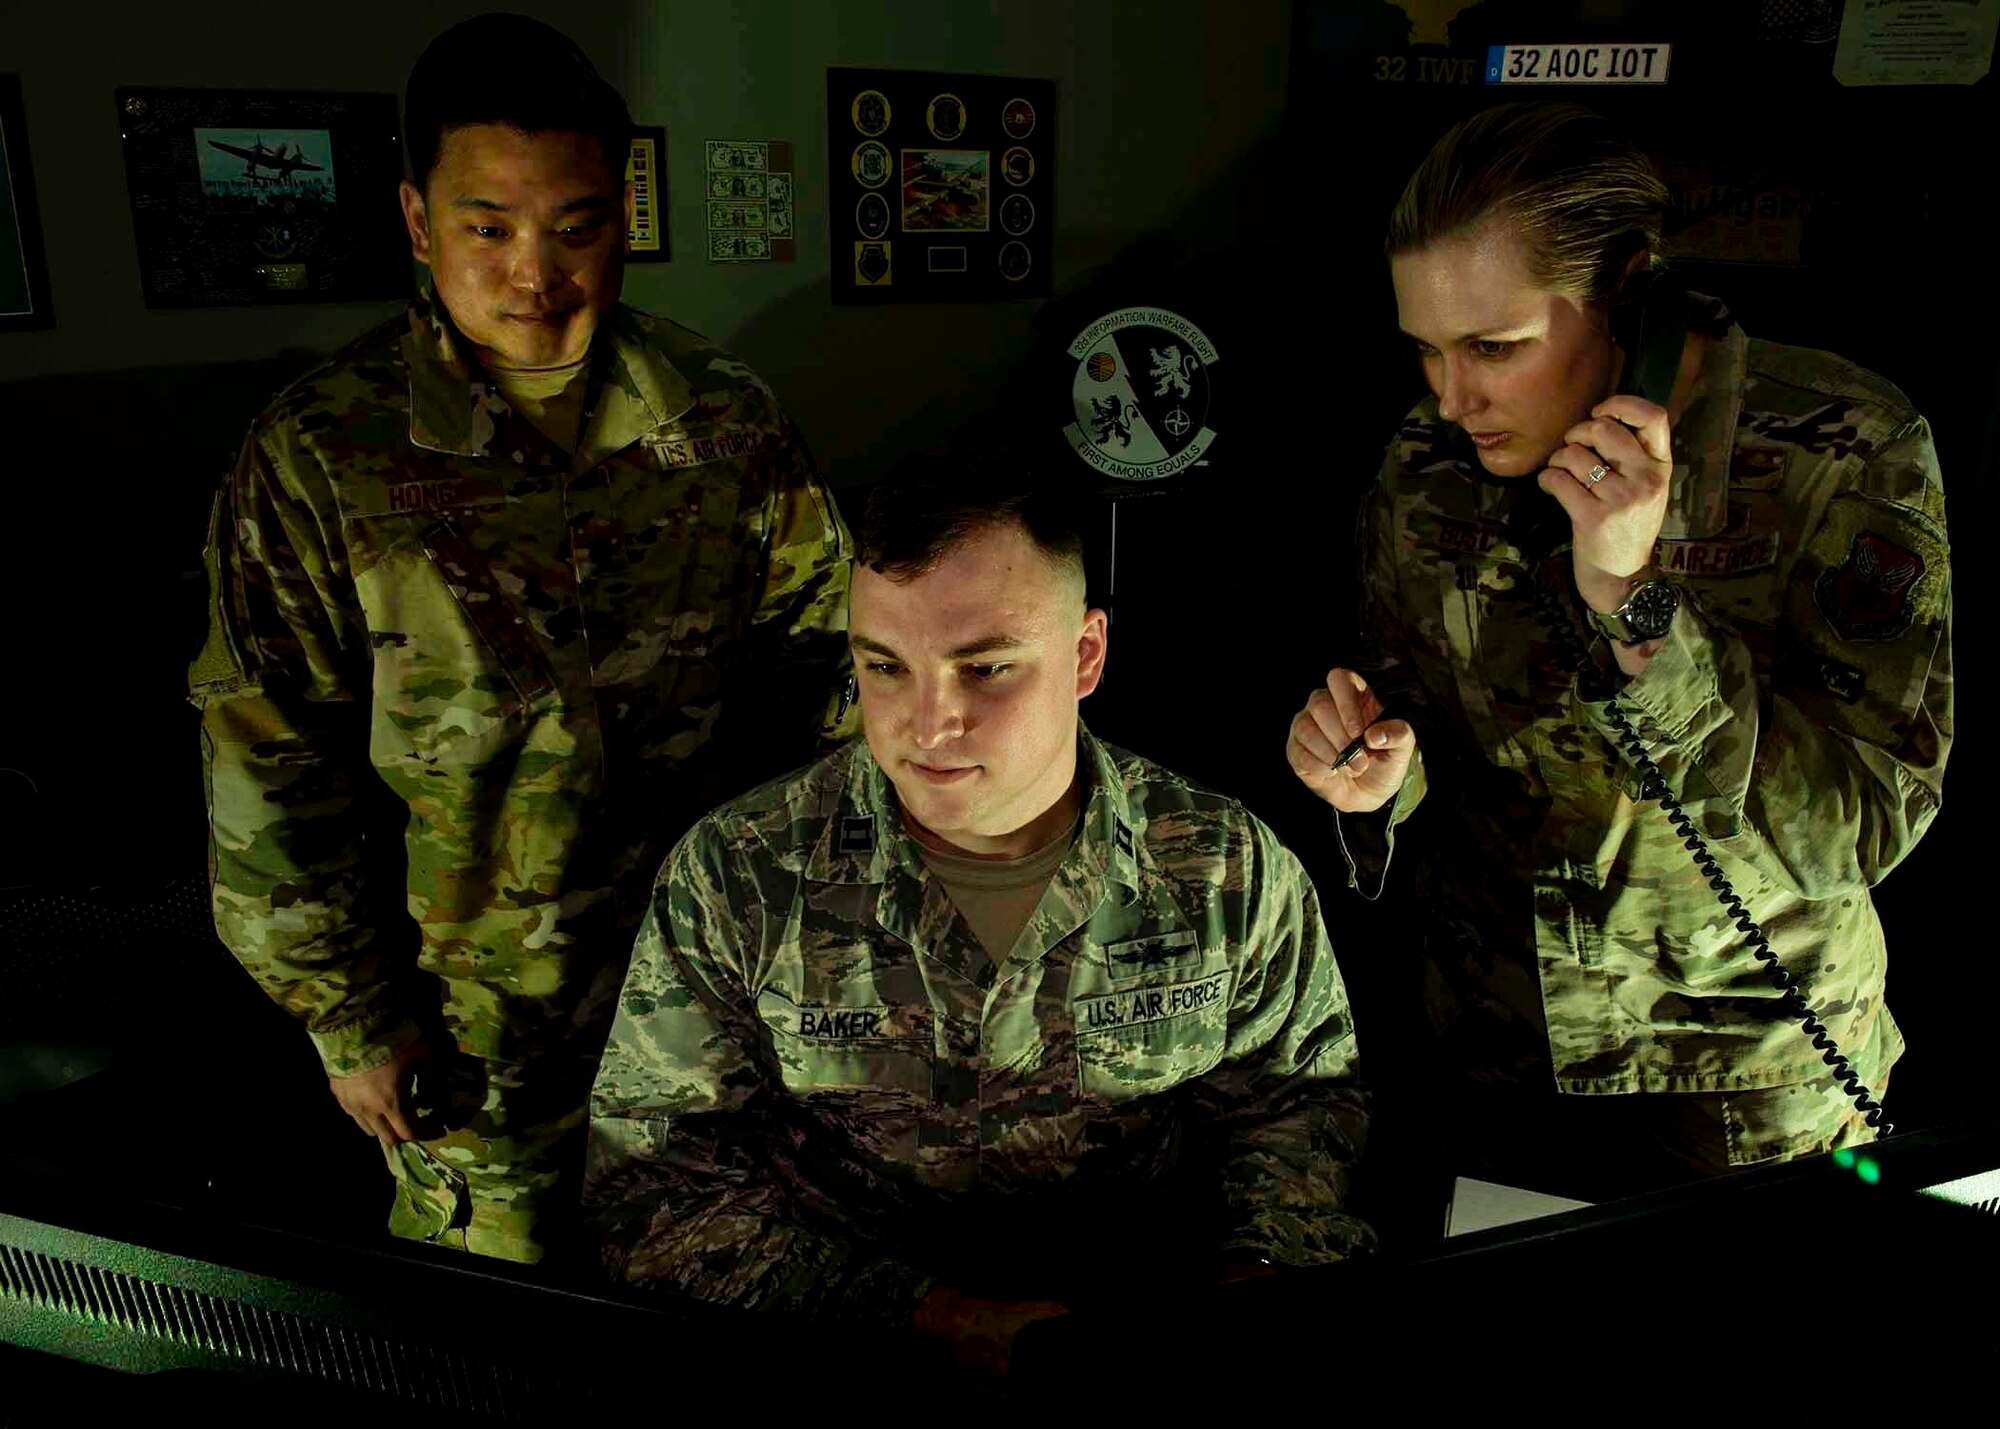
{"x": 1742, "y": 575}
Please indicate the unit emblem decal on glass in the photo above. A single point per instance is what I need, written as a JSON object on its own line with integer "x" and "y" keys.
{"x": 1141, "y": 394}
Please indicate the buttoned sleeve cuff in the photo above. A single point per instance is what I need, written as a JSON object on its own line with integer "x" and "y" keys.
{"x": 366, "y": 1043}
{"x": 1678, "y": 687}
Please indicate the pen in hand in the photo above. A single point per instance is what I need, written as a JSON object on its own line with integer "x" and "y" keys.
{"x": 1354, "y": 747}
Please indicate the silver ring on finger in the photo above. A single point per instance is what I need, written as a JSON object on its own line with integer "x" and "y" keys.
{"x": 1597, "y": 473}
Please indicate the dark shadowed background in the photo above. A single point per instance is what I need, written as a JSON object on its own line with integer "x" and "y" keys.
{"x": 1233, "y": 163}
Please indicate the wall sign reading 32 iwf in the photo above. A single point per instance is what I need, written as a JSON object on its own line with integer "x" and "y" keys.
{"x": 1141, "y": 394}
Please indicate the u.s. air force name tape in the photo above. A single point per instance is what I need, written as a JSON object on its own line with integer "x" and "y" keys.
{"x": 1140, "y": 1005}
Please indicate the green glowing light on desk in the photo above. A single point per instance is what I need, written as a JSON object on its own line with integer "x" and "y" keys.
{"x": 1844, "y": 1158}
{"x": 1867, "y": 1169}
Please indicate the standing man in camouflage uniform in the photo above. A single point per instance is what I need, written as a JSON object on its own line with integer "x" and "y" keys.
{"x": 556, "y": 576}
{"x": 1757, "y": 575}
{"x": 978, "y": 1018}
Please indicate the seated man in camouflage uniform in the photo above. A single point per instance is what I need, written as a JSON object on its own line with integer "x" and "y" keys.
{"x": 530, "y": 570}
{"x": 909, "y": 1032}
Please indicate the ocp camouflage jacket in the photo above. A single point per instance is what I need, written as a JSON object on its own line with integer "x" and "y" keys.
{"x": 1800, "y": 710}
{"x": 552, "y": 664}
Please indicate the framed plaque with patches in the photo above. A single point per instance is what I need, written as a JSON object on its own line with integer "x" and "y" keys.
{"x": 940, "y": 187}
{"x": 264, "y": 196}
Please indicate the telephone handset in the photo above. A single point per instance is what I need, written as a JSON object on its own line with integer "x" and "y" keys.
{"x": 1650, "y": 328}
{"x": 1649, "y": 324}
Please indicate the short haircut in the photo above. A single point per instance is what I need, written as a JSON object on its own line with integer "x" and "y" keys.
{"x": 509, "y": 69}
{"x": 1581, "y": 196}
{"x": 928, "y": 506}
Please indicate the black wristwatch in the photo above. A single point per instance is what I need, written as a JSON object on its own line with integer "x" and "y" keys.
{"x": 1647, "y": 614}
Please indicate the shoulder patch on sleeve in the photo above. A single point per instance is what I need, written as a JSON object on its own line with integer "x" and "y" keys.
{"x": 1871, "y": 595}
{"x": 1868, "y": 606}
{"x": 1875, "y": 569}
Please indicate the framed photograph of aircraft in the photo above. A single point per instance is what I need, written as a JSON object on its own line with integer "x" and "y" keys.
{"x": 264, "y": 196}
{"x": 24, "y": 279}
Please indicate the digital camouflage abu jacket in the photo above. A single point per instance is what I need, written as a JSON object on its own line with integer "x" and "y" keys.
{"x": 817, "y": 1083}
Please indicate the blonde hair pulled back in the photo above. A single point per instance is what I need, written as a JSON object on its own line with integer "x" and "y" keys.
{"x": 1581, "y": 197}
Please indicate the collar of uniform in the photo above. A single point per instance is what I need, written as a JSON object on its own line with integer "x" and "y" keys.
{"x": 450, "y": 409}
{"x": 637, "y": 390}
{"x": 864, "y": 838}
{"x": 453, "y": 407}
{"x": 1113, "y": 829}
{"x": 1705, "y": 435}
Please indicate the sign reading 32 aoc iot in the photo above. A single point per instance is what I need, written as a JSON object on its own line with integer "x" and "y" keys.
{"x": 1577, "y": 64}
{"x": 1141, "y": 394}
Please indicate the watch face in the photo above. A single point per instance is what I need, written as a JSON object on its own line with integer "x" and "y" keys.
{"x": 1650, "y": 612}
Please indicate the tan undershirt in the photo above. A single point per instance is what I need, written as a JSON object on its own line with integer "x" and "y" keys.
{"x": 550, "y": 397}
{"x": 997, "y": 896}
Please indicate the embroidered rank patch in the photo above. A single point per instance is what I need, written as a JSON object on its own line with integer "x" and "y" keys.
{"x": 857, "y": 835}
{"x": 1124, "y": 837}
{"x": 1141, "y": 1005}
{"x": 1868, "y": 597}
{"x": 1760, "y": 468}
